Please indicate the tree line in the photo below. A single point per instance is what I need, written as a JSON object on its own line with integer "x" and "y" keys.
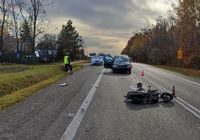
{"x": 68, "y": 40}
{"x": 25, "y": 22}
{"x": 159, "y": 44}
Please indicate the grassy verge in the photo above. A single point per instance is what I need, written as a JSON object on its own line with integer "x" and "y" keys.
{"x": 184, "y": 71}
{"x": 23, "y": 90}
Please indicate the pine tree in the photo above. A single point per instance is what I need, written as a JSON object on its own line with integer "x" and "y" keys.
{"x": 69, "y": 40}
{"x": 25, "y": 32}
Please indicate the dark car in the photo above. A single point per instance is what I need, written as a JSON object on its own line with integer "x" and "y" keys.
{"x": 46, "y": 55}
{"x": 121, "y": 63}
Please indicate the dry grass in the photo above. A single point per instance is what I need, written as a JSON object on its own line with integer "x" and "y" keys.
{"x": 188, "y": 72}
{"x": 25, "y": 76}
{"x": 16, "y": 86}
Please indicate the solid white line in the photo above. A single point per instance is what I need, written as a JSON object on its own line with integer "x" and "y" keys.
{"x": 181, "y": 78}
{"x": 74, "y": 125}
{"x": 194, "y": 113}
{"x": 175, "y": 76}
{"x": 186, "y": 80}
{"x": 178, "y": 100}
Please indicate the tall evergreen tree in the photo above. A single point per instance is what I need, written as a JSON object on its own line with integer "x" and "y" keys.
{"x": 69, "y": 40}
{"x": 25, "y": 32}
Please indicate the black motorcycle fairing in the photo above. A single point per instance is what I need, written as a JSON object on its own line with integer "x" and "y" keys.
{"x": 149, "y": 96}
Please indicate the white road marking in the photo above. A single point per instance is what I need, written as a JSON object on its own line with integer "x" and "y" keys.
{"x": 175, "y": 76}
{"x": 186, "y": 80}
{"x": 74, "y": 125}
{"x": 183, "y": 105}
{"x": 180, "y": 101}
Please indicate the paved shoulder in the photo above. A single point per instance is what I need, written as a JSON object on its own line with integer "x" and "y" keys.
{"x": 46, "y": 114}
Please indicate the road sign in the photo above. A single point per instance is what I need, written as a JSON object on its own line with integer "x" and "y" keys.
{"x": 180, "y": 54}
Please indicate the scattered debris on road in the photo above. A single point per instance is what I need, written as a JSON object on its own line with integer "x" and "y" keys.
{"x": 87, "y": 128}
{"x": 70, "y": 115}
{"x": 63, "y": 84}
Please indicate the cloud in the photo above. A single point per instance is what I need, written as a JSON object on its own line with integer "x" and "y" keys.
{"x": 106, "y": 25}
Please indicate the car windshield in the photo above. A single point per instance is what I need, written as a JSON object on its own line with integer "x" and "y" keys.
{"x": 121, "y": 59}
{"x": 97, "y": 57}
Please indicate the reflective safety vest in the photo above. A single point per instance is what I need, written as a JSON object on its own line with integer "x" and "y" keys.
{"x": 66, "y": 59}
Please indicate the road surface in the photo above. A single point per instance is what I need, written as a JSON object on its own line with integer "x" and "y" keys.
{"x": 92, "y": 107}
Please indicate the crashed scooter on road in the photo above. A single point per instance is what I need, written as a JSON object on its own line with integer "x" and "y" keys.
{"x": 148, "y": 97}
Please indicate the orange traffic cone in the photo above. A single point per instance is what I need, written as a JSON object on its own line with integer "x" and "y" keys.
{"x": 173, "y": 91}
{"x": 142, "y": 73}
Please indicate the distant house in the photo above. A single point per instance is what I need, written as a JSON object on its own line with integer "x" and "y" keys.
{"x": 9, "y": 45}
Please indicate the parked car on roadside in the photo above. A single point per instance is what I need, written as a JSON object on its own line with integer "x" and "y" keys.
{"x": 120, "y": 63}
{"x": 46, "y": 55}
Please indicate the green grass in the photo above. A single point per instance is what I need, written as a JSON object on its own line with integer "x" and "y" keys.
{"x": 184, "y": 71}
{"x": 25, "y": 77}
{"x": 16, "y": 86}
{"x": 12, "y": 69}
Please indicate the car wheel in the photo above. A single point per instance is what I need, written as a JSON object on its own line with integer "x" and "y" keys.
{"x": 129, "y": 71}
{"x": 114, "y": 71}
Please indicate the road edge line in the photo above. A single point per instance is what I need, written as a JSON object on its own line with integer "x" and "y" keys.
{"x": 72, "y": 128}
{"x": 176, "y": 76}
{"x": 180, "y": 101}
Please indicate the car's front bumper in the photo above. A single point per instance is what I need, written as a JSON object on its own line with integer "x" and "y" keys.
{"x": 97, "y": 63}
{"x": 121, "y": 67}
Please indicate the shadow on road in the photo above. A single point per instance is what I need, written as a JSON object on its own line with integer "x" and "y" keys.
{"x": 140, "y": 106}
{"x": 110, "y": 73}
{"x": 167, "y": 104}
{"x": 94, "y": 65}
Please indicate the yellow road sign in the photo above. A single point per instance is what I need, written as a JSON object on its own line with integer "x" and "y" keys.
{"x": 180, "y": 54}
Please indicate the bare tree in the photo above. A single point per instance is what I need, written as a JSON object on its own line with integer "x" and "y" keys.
{"x": 4, "y": 9}
{"x": 15, "y": 24}
{"x": 33, "y": 14}
{"x": 37, "y": 14}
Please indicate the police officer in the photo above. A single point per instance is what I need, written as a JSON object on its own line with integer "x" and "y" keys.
{"x": 67, "y": 63}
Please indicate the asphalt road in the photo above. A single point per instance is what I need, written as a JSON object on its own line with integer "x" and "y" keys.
{"x": 56, "y": 110}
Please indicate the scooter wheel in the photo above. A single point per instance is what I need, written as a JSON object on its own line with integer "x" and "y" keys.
{"x": 166, "y": 96}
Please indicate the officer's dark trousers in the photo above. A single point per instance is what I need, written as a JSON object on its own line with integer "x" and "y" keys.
{"x": 68, "y": 67}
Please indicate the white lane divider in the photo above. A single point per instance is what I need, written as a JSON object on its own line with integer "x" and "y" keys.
{"x": 74, "y": 125}
{"x": 175, "y": 76}
{"x": 180, "y": 101}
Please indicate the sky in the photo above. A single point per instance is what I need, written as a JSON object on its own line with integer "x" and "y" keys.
{"x": 106, "y": 25}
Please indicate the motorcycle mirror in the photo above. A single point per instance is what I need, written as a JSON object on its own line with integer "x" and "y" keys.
{"x": 139, "y": 85}
{"x": 149, "y": 87}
